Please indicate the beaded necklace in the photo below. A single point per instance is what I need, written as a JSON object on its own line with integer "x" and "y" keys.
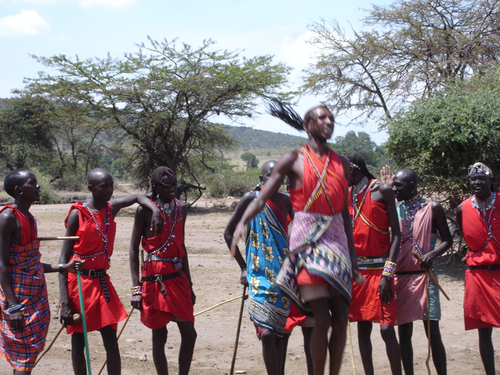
{"x": 482, "y": 208}
{"x": 411, "y": 207}
{"x": 173, "y": 222}
{"x": 355, "y": 190}
{"x": 104, "y": 234}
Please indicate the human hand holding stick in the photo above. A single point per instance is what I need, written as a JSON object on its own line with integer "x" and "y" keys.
{"x": 431, "y": 275}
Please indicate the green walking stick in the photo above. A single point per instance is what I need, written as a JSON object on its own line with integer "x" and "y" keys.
{"x": 84, "y": 324}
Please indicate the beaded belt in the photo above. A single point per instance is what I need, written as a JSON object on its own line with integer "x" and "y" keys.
{"x": 365, "y": 263}
{"x": 176, "y": 261}
{"x": 98, "y": 274}
{"x": 159, "y": 278}
{"x": 491, "y": 267}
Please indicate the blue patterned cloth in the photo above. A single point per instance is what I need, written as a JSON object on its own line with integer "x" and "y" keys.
{"x": 266, "y": 249}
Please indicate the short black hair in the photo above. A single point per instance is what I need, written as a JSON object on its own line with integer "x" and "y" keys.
{"x": 14, "y": 178}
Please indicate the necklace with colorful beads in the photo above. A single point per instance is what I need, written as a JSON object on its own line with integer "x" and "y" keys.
{"x": 411, "y": 207}
{"x": 104, "y": 234}
{"x": 355, "y": 191}
{"x": 482, "y": 208}
{"x": 170, "y": 211}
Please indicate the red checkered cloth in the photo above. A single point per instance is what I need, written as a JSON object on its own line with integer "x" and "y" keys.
{"x": 21, "y": 348}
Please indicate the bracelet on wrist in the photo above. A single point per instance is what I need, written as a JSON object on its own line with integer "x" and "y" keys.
{"x": 61, "y": 270}
{"x": 389, "y": 269}
{"x": 13, "y": 309}
{"x": 136, "y": 290}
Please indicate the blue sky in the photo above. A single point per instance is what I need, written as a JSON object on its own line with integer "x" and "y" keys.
{"x": 92, "y": 28}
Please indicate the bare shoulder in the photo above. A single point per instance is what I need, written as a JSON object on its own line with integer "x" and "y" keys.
{"x": 7, "y": 217}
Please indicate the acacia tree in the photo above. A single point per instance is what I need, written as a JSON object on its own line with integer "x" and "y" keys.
{"x": 163, "y": 96}
{"x": 442, "y": 135}
{"x": 406, "y": 50}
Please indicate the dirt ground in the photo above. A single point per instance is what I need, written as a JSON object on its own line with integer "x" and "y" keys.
{"x": 216, "y": 279}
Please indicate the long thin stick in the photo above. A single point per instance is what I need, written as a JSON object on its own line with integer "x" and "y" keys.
{"x": 431, "y": 274}
{"x": 84, "y": 323}
{"x": 352, "y": 351}
{"x": 427, "y": 303}
{"x": 231, "y": 372}
{"x": 118, "y": 337}
{"x": 220, "y": 303}
{"x": 59, "y": 238}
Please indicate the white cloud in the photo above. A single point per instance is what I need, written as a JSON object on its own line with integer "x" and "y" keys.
{"x": 105, "y": 3}
{"x": 25, "y": 23}
{"x": 297, "y": 52}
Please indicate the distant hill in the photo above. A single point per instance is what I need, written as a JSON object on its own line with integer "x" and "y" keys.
{"x": 253, "y": 139}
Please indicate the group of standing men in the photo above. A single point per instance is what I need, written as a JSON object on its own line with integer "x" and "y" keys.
{"x": 163, "y": 294}
{"x": 345, "y": 219}
{"x": 352, "y": 254}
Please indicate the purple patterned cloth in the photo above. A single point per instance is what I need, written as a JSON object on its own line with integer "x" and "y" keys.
{"x": 318, "y": 243}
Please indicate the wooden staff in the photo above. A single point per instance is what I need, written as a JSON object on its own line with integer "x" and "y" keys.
{"x": 221, "y": 303}
{"x": 76, "y": 318}
{"x": 59, "y": 238}
{"x": 427, "y": 305}
{"x": 117, "y": 337}
{"x": 431, "y": 275}
{"x": 231, "y": 372}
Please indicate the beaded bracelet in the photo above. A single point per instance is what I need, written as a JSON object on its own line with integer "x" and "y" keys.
{"x": 136, "y": 290}
{"x": 389, "y": 269}
{"x": 13, "y": 309}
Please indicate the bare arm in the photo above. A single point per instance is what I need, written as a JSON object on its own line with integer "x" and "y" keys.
{"x": 66, "y": 251}
{"x": 156, "y": 220}
{"x": 140, "y": 222}
{"x": 346, "y": 216}
{"x": 439, "y": 222}
{"x": 385, "y": 285}
{"x": 231, "y": 225}
{"x": 185, "y": 260}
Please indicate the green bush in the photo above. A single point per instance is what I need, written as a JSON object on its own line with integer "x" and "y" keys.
{"x": 229, "y": 183}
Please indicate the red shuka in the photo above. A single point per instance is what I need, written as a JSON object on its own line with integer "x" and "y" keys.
{"x": 482, "y": 286}
{"x": 90, "y": 247}
{"x": 157, "y": 309}
{"x": 371, "y": 239}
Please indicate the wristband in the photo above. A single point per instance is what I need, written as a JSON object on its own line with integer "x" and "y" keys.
{"x": 61, "y": 271}
{"x": 389, "y": 269}
{"x": 13, "y": 309}
{"x": 136, "y": 290}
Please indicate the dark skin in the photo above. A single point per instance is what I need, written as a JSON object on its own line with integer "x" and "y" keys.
{"x": 142, "y": 229}
{"x": 272, "y": 345}
{"x": 405, "y": 188}
{"x": 328, "y": 312}
{"x": 480, "y": 185}
{"x": 383, "y": 193}
{"x": 100, "y": 184}
{"x": 27, "y": 192}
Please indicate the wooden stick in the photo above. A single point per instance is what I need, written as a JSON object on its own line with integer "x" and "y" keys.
{"x": 118, "y": 337}
{"x": 431, "y": 275}
{"x": 427, "y": 305}
{"x": 221, "y": 303}
{"x": 76, "y": 318}
{"x": 233, "y": 361}
{"x": 59, "y": 238}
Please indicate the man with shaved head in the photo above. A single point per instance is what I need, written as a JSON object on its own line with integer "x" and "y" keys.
{"x": 420, "y": 220}
{"x": 94, "y": 222}
{"x": 267, "y": 247}
{"x": 479, "y": 221}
